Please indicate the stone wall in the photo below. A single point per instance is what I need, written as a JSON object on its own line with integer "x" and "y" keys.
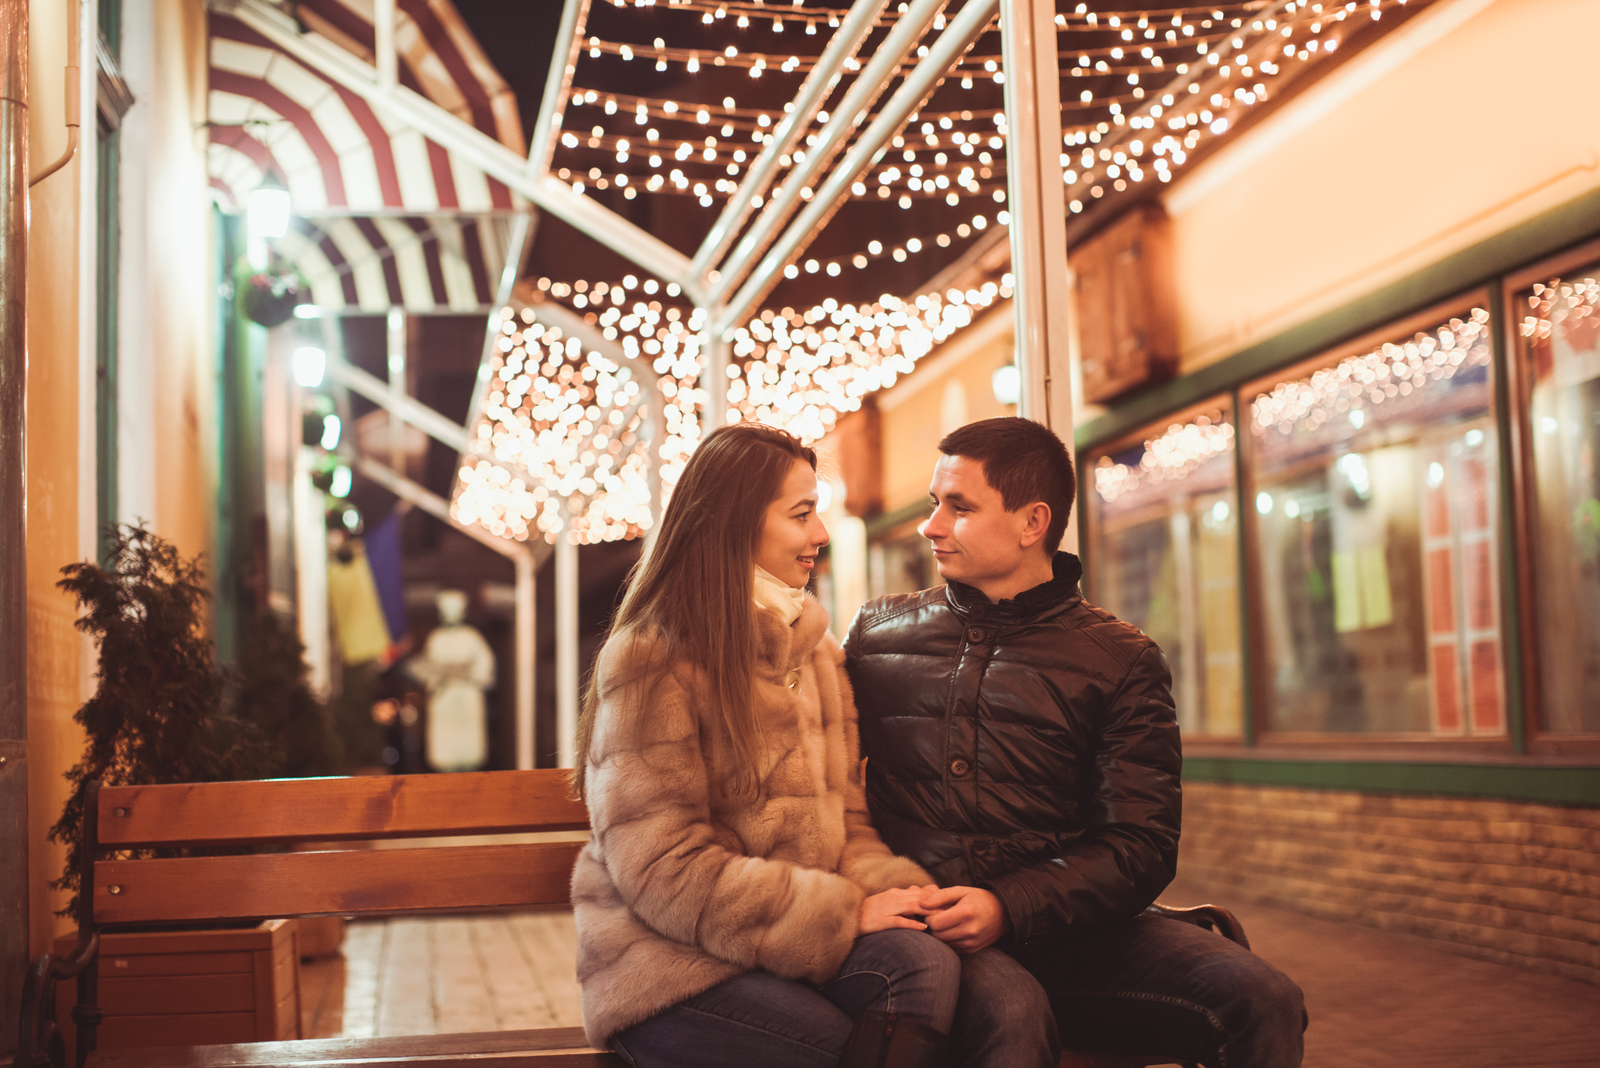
{"x": 1504, "y": 881}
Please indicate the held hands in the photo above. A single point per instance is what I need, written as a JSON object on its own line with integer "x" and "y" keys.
{"x": 893, "y": 908}
{"x": 965, "y": 917}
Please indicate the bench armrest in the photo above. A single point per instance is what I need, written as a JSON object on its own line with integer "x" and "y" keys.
{"x": 39, "y": 1043}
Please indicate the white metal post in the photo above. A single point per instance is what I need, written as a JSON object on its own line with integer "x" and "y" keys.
{"x": 396, "y": 337}
{"x": 383, "y": 37}
{"x": 524, "y": 636}
{"x": 566, "y": 648}
{"x": 1041, "y": 284}
{"x": 714, "y": 377}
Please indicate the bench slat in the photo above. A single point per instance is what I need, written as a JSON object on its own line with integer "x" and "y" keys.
{"x": 554, "y": 1047}
{"x": 340, "y": 882}
{"x": 344, "y": 809}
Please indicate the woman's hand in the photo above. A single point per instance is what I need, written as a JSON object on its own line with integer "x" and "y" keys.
{"x": 891, "y": 909}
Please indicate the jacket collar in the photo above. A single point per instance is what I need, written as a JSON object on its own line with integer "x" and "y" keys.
{"x": 781, "y": 647}
{"x": 1061, "y": 591}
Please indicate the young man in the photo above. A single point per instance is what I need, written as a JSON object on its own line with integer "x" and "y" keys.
{"x": 1022, "y": 747}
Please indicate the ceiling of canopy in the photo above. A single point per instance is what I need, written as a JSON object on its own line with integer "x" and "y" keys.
{"x": 672, "y": 100}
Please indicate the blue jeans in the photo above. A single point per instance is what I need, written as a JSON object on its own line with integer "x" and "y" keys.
{"x": 761, "y": 1019}
{"x": 1151, "y": 986}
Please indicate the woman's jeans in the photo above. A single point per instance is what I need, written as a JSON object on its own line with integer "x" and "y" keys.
{"x": 758, "y": 1020}
{"x": 1151, "y": 986}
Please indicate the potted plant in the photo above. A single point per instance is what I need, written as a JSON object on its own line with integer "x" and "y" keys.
{"x": 268, "y": 296}
{"x": 163, "y": 712}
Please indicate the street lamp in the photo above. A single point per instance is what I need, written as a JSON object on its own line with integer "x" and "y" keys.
{"x": 267, "y": 210}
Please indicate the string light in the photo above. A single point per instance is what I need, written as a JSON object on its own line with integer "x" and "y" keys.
{"x": 1398, "y": 374}
{"x": 1176, "y": 454}
{"x": 1143, "y": 91}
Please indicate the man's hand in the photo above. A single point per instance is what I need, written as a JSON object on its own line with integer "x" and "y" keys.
{"x": 893, "y": 908}
{"x": 965, "y": 917}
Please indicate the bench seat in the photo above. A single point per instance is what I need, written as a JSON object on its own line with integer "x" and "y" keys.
{"x": 551, "y": 1047}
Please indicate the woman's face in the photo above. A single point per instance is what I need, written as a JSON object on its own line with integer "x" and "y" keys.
{"x": 792, "y": 531}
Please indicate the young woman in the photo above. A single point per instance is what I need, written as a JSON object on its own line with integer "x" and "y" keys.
{"x": 735, "y": 906}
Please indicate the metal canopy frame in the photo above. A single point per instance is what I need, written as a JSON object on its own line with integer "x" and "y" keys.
{"x": 726, "y": 263}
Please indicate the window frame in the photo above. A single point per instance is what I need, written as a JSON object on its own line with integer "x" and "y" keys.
{"x": 1089, "y": 531}
{"x": 1521, "y": 496}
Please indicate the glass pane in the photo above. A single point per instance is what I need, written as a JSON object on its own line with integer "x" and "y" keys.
{"x": 1376, "y": 504}
{"x": 1561, "y": 347}
{"x": 1165, "y": 558}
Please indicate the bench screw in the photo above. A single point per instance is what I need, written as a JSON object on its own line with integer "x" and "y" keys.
{"x": 113, "y": 889}
{"x": 120, "y": 812}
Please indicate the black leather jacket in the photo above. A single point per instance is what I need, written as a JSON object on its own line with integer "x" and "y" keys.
{"x": 1028, "y": 747}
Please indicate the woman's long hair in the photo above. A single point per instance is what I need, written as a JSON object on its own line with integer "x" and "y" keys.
{"x": 695, "y": 587}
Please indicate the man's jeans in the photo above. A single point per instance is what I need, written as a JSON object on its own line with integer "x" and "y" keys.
{"x": 759, "y": 1019}
{"x": 1151, "y": 986}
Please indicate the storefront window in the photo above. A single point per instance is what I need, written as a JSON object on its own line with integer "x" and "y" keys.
{"x": 1374, "y": 492}
{"x": 1560, "y": 343}
{"x": 901, "y": 563}
{"x": 1164, "y": 550}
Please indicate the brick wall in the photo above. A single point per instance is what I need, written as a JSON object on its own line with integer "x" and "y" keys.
{"x": 1504, "y": 881}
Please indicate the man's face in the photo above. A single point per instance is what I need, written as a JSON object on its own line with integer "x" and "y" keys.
{"x": 975, "y": 540}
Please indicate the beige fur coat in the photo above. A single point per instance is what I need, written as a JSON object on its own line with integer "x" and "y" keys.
{"x": 681, "y": 887}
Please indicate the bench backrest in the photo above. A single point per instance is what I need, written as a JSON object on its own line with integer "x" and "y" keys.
{"x": 337, "y": 882}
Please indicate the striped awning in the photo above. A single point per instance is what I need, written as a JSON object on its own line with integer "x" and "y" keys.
{"x": 423, "y": 265}
{"x": 336, "y": 153}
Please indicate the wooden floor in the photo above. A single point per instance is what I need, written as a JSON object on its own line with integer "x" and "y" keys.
{"x": 444, "y": 975}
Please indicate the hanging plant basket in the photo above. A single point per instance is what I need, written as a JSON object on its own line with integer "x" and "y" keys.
{"x": 269, "y": 296}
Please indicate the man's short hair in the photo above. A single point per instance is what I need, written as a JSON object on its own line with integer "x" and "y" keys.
{"x": 1025, "y": 462}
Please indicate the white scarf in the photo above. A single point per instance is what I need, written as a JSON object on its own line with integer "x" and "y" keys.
{"x": 777, "y": 595}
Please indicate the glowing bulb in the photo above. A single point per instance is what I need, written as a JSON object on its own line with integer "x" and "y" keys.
{"x": 339, "y": 486}
{"x": 330, "y": 432}
{"x": 1264, "y": 502}
{"x": 309, "y": 363}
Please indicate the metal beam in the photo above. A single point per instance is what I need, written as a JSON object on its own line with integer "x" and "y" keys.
{"x": 866, "y": 89}
{"x": 967, "y": 26}
{"x": 15, "y": 925}
{"x": 1037, "y": 205}
{"x": 411, "y": 411}
{"x": 526, "y": 560}
{"x": 853, "y": 31}
{"x": 557, "y": 84}
{"x": 489, "y": 155}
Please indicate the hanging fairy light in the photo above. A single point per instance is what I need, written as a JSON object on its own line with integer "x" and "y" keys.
{"x": 1175, "y": 454}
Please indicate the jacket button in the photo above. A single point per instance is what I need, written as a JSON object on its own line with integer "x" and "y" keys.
{"x": 976, "y": 635}
{"x": 959, "y": 767}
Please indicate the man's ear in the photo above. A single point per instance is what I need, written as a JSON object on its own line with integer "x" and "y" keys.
{"x": 1035, "y": 522}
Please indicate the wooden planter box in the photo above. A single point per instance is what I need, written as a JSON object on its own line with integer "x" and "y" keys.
{"x": 180, "y": 988}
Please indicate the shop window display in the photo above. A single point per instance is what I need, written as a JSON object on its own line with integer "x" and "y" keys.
{"x": 1164, "y": 553}
{"x": 1559, "y": 339}
{"x": 1376, "y": 511}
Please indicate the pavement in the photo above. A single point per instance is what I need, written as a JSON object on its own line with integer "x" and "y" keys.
{"x": 1382, "y": 1000}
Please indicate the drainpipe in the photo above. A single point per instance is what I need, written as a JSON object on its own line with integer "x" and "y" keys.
{"x": 14, "y": 916}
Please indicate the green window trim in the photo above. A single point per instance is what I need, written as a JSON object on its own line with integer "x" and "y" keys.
{"x": 1485, "y": 264}
{"x": 1556, "y": 785}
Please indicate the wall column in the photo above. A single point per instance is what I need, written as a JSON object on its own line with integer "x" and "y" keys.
{"x": 14, "y": 926}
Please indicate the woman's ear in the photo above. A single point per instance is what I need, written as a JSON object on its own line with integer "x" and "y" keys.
{"x": 1036, "y": 521}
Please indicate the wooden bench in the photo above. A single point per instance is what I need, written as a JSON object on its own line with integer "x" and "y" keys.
{"x": 119, "y": 893}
